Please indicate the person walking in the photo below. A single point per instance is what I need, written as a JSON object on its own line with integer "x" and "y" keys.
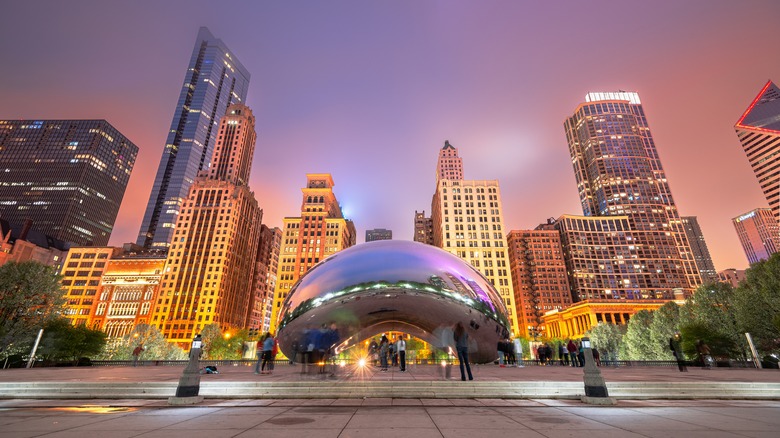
{"x": 401, "y": 348}
{"x": 563, "y": 354}
{"x": 674, "y": 345}
{"x": 518, "y": 345}
{"x": 137, "y": 353}
{"x": 501, "y": 353}
{"x": 462, "y": 346}
{"x": 572, "y": 348}
{"x": 268, "y": 347}
{"x": 384, "y": 349}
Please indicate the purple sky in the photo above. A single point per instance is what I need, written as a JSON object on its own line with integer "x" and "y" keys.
{"x": 370, "y": 90}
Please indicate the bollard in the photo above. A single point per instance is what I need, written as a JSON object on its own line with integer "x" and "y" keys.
{"x": 189, "y": 383}
{"x": 595, "y": 387}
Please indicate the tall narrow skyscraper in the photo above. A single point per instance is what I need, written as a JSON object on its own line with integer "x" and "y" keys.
{"x": 759, "y": 234}
{"x": 467, "y": 218}
{"x": 320, "y": 231}
{"x": 701, "y": 254}
{"x": 214, "y": 80}
{"x": 759, "y": 132}
{"x": 619, "y": 173}
{"x": 210, "y": 269}
{"x": 67, "y": 176}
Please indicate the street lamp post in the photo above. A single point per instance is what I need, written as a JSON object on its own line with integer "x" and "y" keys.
{"x": 189, "y": 383}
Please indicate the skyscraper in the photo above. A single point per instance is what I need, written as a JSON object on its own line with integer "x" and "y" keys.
{"x": 67, "y": 176}
{"x": 265, "y": 278}
{"x": 759, "y": 234}
{"x": 214, "y": 80}
{"x": 701, "y": 254}
{"x": 210, "y": 269}
{"x": 619, "y": 174}
{"x": 467, "y": 217}
{"x": 378, "y": 234}
{"x": 320, "y": 231}
{"x": 759, "y": 132}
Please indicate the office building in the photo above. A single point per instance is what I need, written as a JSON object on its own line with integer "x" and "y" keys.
{"x": 626, "y": 199}
{"x": 210, "y": 269}
{"x": 378, "y": 234}
{"x": 731, "y": 276}
{"x": 22, "y": 243}
{"x": 215, "y": 79}
{"x": 538, "y": 275}
{"x": 423, "y": 228}
{"x": 320, "y": 231}
{"x": 701, "y": 254}
{"x": 759, "y": 132}
{"x": 265, "y": 278}
{"x": 759, "y": 234}
{"x": 67, "y": 176}
{"x": 81, "y": 274}
{"x": 467, "y": 217}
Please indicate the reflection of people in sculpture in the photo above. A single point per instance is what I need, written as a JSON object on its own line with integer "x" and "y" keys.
{"x": 462, "y": 345}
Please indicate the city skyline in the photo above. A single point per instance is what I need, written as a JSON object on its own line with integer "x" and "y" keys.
{"x": 344, "y": 88}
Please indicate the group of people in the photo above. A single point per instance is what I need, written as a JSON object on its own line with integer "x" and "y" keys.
{"x": 569, "y": 352}
{"x": 267, "y": 349}
{"x": 386, "y": 351}
{"x": 316, "y": 346}
{"x": 510, "y": 353}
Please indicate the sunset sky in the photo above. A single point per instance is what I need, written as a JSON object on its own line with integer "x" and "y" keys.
{"x": 369, "y": 91}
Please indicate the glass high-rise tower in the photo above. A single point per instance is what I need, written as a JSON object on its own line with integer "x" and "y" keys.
{"x": 67, "y": 176}
{"x": 619, "y": 173}
{"x": 759, "y": 132}
{"x": 214, "y": 80}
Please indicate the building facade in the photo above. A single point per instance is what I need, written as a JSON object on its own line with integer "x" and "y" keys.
{"x": 320, "y": 231}
{"x": 538, "y": 275}
{"x": 209, "y": 274}
{"x": 701, "y": 254}
{"x": 67, "y": 176}
{"x": 214, "y": 80}
{"x": 378, "y": 234}
{"x": 575, "y": 321}
{"x": 759, "y": 234}
{"x": 731, "y": 276}
{"x": 423, "y": 228}
{"x": 759, "y": 132}
{"x": 22, "y": 243}
{"x": 620, "y": 181}
{"x": 81, "y": 274}
{"x": 265, "y": 278}
{"x": 467, "y": 217}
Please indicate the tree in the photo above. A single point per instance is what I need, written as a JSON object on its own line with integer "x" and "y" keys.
{"x": 30, "y": 296}
{"x": 607, "y": 338}
{"x": 710, "y": 310}
{"x": 665, "y": 324}
{"x": 155, "y": 346}
{"x": 63, "y": 341}
{"x": 637, "y": 344}
{"x": 757, "y": 304}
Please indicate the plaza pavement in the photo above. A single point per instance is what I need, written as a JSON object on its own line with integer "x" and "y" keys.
{"x": 377, "y": 417}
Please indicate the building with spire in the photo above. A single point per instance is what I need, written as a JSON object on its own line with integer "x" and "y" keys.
{"x": 210, "y": 268}
{"x": 759, "y": 234}
{"x": 215, "y": 79}
{"x": 467, "y": 219}
{"x": 759, "y": 132}
{"x": 320, "y": 231}
{"x": 631, "y": 243}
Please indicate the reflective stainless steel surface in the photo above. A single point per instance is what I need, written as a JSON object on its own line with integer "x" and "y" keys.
{"x": 395, "y": 285}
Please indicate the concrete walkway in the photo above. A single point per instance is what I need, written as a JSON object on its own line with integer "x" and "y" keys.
{"x": 377, "y": 418}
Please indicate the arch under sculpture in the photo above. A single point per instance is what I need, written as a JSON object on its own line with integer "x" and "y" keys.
{"x": 395, "y": 285}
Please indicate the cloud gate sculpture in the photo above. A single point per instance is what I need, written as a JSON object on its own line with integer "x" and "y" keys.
{"x": 395, "y": 285}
